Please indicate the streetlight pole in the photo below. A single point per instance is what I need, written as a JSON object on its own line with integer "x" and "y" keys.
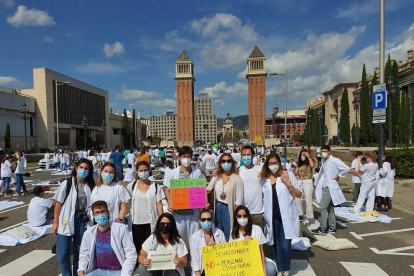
{"x": 131, "y": 128}
{"x": 286, "y": 88}
{"x": 320, "y": 114}
{"x": 104, "y": 130}
{"x": 391, "y": 92}
{"x": 381, "y": 148}
{"x": 355, "y": 103}
{"x": 85, "y": 125}
{"x": 24, "y": 111}
{"x": 310, "y": 129}
{"x": 57, "y": 110}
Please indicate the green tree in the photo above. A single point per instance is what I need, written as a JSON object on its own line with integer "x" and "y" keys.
{"x": 364, "y": 95}
{"x": 126, "y": 131}
{"x": 344, "y": 119}
{"x": 396, "y": 102}
{"x": 134, "y": 129}
{"x": 7, "y": 139}
{"x": 237, "y": 135}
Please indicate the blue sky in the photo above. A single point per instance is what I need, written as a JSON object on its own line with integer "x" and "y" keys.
{"x": 129, "y": 47}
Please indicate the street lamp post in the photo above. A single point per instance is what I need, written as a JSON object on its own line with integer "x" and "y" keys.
{"x": 355, "y": 103}
{"x": 286, "y": 87}
{"x": 310, "y": 129}
{"x": 391, "y": 90}
{"x": 57, "y": 110}
{"x": 104, "y": 131}
{"x": 131, "y": 128}
{"x": 320, "y": 114}
{"x": 85, "y": 125}
{"x": 24, "y": 111}
{"x": 275, "y": 110}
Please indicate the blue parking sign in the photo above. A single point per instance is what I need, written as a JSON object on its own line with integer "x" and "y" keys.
{"x": 379, "y": 99}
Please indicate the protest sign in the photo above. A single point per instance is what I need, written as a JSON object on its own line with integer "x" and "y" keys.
{"x": 188, "y": 193}
{"x": 161, "y": 260}
{"x": 239, "y": 258}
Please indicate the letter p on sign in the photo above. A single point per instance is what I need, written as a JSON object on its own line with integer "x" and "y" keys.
{"x": 379, "y": 99}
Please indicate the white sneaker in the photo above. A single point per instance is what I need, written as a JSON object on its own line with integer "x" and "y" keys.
{"x": 286, "y": 273}
{"x": 279, "y": 274}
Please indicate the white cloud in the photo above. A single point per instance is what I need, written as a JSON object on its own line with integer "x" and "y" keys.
{"x": 33, "y": 17}
{"x": 7, "y": 3}
{"x": 221, "y": 90}
{"x": 363, "y": 9}
{"x": 144, "y": 98}
{"x": 167, "y": 47}
{"x": 10, "y": 82}
{"x": 115, "y": 49}
{"x": 173, "y": 41}
{"x": 48, "y": 39}
{"x": 100, "y": 68}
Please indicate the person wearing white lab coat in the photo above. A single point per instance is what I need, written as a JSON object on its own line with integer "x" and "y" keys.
{"x": 368, "y": 181}
{"x": 70, "y": 215}
{"x": 327, "y": 191}
{"x": 187, "y": 219}
{"x": 206, "y": 236}
{"x": 385, "y": 188}
{"x": 107, "y": 247}
{"x": 280, "y": 189}
{"x": 47, "y": 160}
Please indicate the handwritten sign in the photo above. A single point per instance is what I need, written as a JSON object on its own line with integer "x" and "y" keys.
{"x": 239, "y": 258}
{"x": 161, "y": 260}
{"x": 188, "y": 193}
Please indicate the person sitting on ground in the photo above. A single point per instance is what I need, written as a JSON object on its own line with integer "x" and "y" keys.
{"x": 107, "y": 247}
{"x": 40, "y": 210}
{"x": 129, "y": 173}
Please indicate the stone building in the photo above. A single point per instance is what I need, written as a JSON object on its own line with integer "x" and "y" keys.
{"x": 205, "y": 121}
{"x": 164, "y": 126}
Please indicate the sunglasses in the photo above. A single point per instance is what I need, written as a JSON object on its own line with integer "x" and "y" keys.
{"x": 242, "y": 216}
{"x": 226, "y": 161}
{"x": 165, "y": 223}
{"x": 206, "y": 219}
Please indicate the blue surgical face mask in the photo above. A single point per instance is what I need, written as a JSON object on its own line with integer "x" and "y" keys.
{"x": 107, "y": 177}
{"x": 226, "y": 166}
{"x": 102, "y": 219}
{"x": 247, "y": 160}
{"x": 143, "y": 175}
{"x": 206, "y": 225}
{"x": 82, "y": 173}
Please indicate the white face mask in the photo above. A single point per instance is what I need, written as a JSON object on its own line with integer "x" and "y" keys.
{"x": 324, "y": 155}
{"x": 303, "y": 158}
{"x": 186, "y": 162}
{"x": 274, "y": 168}
{"x": 243, "y": 221}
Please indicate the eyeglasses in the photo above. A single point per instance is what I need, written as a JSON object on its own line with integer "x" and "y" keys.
{"x": 165, "y": 223}
{"x": 229, "y": 161}
{"x": 242, "y": 216}
{"x": 206, "y": 219}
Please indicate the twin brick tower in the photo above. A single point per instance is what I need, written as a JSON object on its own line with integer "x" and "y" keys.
{"x": 184, "y": 76}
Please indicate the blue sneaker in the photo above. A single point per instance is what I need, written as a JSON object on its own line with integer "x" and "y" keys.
{"x": 319, "y": 231}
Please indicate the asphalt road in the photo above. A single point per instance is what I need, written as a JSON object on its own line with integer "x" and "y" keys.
{"x": 25, "y": 260}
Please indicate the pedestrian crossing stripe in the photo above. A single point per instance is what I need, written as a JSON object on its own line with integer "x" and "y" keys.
{"x": 2, "y": 250}
{"x": 26, "y": 263}
{"x": 363, "y": 269}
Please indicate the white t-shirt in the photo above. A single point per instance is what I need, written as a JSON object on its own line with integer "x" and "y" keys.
{"x": 38, "y": 207}
{"x": 369, "y": 173}
{"x": 129, "y": 174}
{"x": 141, "y": 214}
{"x": 85, "y": 154}
{"x": 131, "y": 159}
{"x": 94, "y": 162}
{"x": 210, "y": 161}
{"x": 5, "y": 169}
{"x": 156, "y": 152}
{"x": 109, "y": 156}
{"x": 47, "y": 157}
{"x": 355, "y": 178}
{"x": 257, "y": 233}
{"x": 253, "y": 189}
{"x": 103, "y": 156}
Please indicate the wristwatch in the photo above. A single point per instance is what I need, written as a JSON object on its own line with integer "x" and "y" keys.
{"x": 290, "y": 189}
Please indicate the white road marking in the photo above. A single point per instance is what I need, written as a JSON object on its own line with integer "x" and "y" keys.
{"x": 412, "y": 266}
{"x": 316, "y": 204}
{"x": 394, "y": 251}
{"x": 341, "y": 223}
{"x": 26, "y": 263}
{"x": 2, "y": 250}
{"x": 359, "y": 236}
{"x": 10, "y": 227}
{"x": 7, "y": 210}
{"x": 363, "y": 269}
{"x": 316, "y": 225}
{"x": 301, "y": 268}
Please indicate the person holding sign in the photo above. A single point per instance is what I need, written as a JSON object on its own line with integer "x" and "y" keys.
{"x": 206, "y": 236}
{"x": 228, "y": 192}
{"x": 187, "y": 219}
{"x": 280, "y": 188}
{"x": 107, "y": 247}
{"x": 165, "y": 238}
{"x": 146, "y": 205}
{"x": 244, "y": 229}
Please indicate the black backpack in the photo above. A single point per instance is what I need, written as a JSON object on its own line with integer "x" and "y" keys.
{"x": 135, "y": 183}
{"x": 68, "y": 188}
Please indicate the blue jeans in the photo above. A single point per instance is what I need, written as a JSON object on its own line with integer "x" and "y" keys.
{"x": 6, "y": 181}
{"x": 222, "y": 219}
{"x": 63, "y": 248}
{"x": 120, "y": 172}
{"x": 63, "y": 167}
{"x": 102, "y": 272}
{"x": 20, "y": 183}
{"x": 57, "y": 165}
{"x": 282, "y": 249}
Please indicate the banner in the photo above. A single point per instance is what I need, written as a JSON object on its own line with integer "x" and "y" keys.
{"x": 239, "y": 258}
{"x": 258, "y": 139}
{"x": 161, "y": 260}
{"x": 188, "y": 193}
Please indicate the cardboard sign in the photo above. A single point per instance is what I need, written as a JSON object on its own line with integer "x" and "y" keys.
{"x": 161, "y": 260}
{"x": 241, "y": 258}
{"x": 188, "y": 193}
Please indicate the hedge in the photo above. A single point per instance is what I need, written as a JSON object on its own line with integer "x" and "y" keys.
{"x": 404, "y": 162}
{"x": 42, "y": 150}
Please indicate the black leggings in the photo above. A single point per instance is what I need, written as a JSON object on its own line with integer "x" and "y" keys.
{"x": 140, "y": 233}
{"x": 385, "y": 201}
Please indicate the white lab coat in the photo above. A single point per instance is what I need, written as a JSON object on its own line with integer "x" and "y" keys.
{"x": 334, "y": 167}
{"x": 67, "y": 213}
{"x": 287, "y": 205}
{"x": 196, "y": 242}
{"x": 385, "y": 186}
{"x": 121, "y": 243}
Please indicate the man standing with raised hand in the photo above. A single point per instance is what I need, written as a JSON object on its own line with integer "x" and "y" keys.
{"x": 327, "y": 192}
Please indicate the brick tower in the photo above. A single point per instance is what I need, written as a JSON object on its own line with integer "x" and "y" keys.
{"x": 256, "y": 78}
{"x": 184, "y": 77}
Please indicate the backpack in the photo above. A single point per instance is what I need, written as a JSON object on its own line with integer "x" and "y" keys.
{"x": 68, "y": 188}
{"x": 135, "y": 183}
